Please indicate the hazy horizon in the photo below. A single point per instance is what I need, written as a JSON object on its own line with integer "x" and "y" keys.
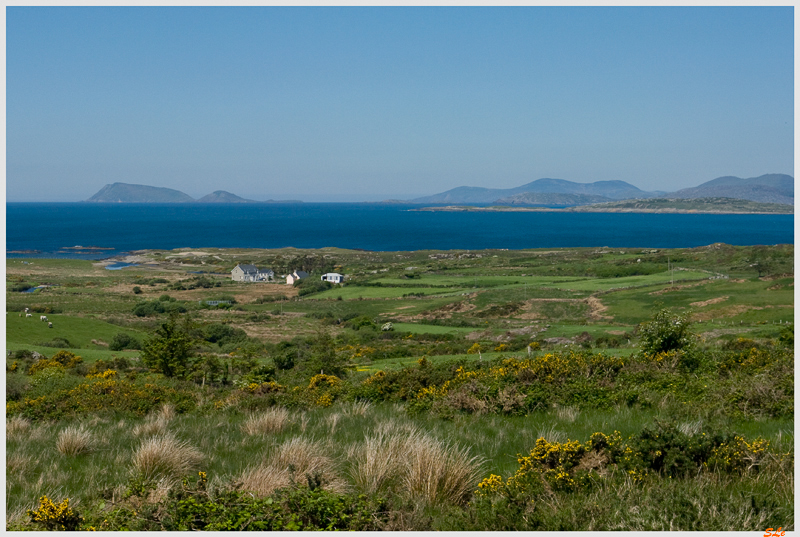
{"x": 373, "y": 103}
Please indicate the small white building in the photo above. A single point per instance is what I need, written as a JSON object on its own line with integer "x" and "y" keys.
{"x": 333, "y": 277}
{"x": 295, "y": 276}
{"x": 251, "y": 273}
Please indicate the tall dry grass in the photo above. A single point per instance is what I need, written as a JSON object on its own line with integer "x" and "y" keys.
{"x": 75, "y": 440}
{"x": 165, "y": 457}
{"x": 440, "y": 472}
{"x": 17, "y": 427}
{"x": 294, "y": 460}
{"x": 567, "y": 413}
{"x": 157, "y": 423}
{"x": 272, "y": 421}
{"x": 417, "y": 465}
{"x": 377, "y": 462}
{"x": 358, "y": 408}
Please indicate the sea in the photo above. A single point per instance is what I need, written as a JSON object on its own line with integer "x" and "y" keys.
{"x": 98, "y": 231}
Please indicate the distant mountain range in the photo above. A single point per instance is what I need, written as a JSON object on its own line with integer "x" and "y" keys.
{"x": 771, "y": 188}
{"x": 128, "y": 193}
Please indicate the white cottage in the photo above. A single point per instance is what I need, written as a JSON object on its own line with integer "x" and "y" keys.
{"x": 333, "y": 277}
{"x": 295, "y": 276}
{"x": 251, "y": 273}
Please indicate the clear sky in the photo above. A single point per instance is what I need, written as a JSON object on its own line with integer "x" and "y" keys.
{"x": 366, "y": 104}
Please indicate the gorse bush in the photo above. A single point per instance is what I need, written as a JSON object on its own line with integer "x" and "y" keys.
{"x": 51, "y": 516}
{"x": 660, "y": 452}
{"x": 56, "y": 395}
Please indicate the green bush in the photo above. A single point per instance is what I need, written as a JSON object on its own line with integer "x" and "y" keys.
{"x": 122, "y": 341}
{"x": 666, "y": 331}
{"x": 191, "y": 507}
{"x": 169, "y": 350}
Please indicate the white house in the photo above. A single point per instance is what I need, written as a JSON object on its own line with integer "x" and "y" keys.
{"x": 296, "y": 275}
{"x": 251, "y": 273}
{"x": 333, "y": 277}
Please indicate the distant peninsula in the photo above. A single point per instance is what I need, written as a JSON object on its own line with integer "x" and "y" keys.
{"x": 657, "y": 205}
{"x": 130, "y": 193}
{"x": 773, "y": 188}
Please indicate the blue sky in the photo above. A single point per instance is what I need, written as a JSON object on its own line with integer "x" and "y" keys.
{"x": 366, "y": 104}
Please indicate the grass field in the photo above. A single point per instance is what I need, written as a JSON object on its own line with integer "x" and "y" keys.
{"x": 294, "y": 412}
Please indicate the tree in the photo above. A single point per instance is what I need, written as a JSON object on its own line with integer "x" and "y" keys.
{"x": 170, "y": 350}
{"x": 666, "y": 331}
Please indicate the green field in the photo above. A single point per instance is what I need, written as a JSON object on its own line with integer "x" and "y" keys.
{"x": 576, "y": 389}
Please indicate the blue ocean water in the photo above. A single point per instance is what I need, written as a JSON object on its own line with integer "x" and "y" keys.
{"x": 47, "y": 228}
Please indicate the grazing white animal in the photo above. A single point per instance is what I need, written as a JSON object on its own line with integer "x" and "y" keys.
{"x": 26, "y": 310}
{"x": 27, "y": 315}
{"x": 43, "y": 318}
{"x": 49, "y": 325}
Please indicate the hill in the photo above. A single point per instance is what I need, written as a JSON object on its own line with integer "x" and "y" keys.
{"x": 700, "y": 205}
{"x": 551, "y": 198}
{"x": 610, "y": 190}
{"x": 127, "y": 193}
{"x": 770, "y": 188}
{"x": 221, "y": 196}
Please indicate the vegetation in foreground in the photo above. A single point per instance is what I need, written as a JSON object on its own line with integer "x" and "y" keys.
{"x": 518, "y": 392}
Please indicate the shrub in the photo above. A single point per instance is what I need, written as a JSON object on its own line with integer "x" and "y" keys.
{"x": 67, "y": 359}
{"x": 56, "y": 342}
{"x": 74, "y": 441}
{"x": 169, "y": 350}
{"x": 665, "y": 332}
{"x": 122, "y": 341}
{"x": 51, "y": 516}
{"x": 165, "y": 457}
{"x": 137, "y": 290}
{"x": 16, "y": 384}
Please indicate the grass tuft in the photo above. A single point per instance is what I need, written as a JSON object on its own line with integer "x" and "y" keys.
{"x": 377, "y": 461}
{"x": 75, "y": 440}
{"x": 272, "y": 421}
{"x": 17, "y": 427}
{"x": 440, "y": 472}
{"x": 297, "y": 460}
{"x": 157, "y": 423}
{"x": 164, "y": 456}
{"x": 567, "y": 413}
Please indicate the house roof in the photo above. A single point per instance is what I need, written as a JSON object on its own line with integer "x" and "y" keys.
{"x": 252, "y": 269}
{"x": 301, "y": 274}
{"x": 333, "y": 274}
{"x": 248, "y": 268}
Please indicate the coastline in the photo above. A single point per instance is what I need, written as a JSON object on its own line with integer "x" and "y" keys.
{"x": 586, "y": 209}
